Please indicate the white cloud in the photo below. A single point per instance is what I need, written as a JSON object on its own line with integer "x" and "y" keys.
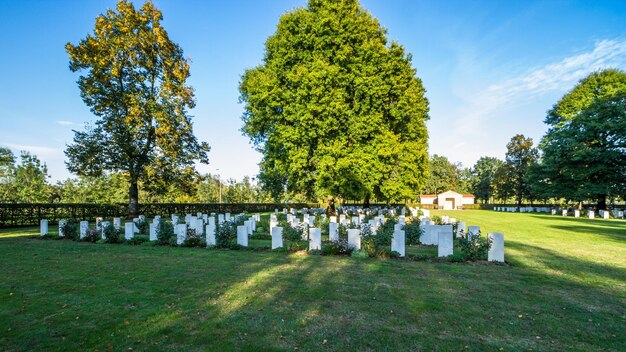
{"x": 513, "y": 98}
{"x": 41, "y": 152}
{"x": 67, "y": 123}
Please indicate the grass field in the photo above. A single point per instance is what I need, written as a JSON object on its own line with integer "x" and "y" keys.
{"x": 565, "y": 289}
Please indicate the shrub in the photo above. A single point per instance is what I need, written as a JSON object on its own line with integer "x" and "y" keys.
{"x": 360, "y": 254}
{"x": 143, "y": 226}
{"x": 412, "y": 232}
{"x": 112, "y": 235}
{"x": 138, "y": 240}
{"x": 474, "y": 247}
{"x": 226, "y": 235}
{"x": 92, "y": 235}
{"x": 193, "y": 239}
{"x": 295, "y": 237}
{"x": 165, "y": 232}
{"x": 71, "y": 229}
{"x": 379, "y": 244}
{"x": 336, "y": 248}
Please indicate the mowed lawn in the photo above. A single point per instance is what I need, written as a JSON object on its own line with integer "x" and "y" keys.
{"x": 565, "y": 289}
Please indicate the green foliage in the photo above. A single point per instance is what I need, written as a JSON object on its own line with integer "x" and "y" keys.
{"x": 226, "y": 235}
{"x": 165, "y": 232}
{"x": 71, "y": 230}
{"x": 134, "y": 81}
{"x": 474, "y": 247}
{"x": 520, "y": 157}
{"x": 336, "y": 248}
{"x": 336, "y": 109}
{"x": 194, "y": 239}
{"x": 444, "y": 176}
{"x": 412, "y": 232}
{"x": 584, "y": 150}
{"x": 360, "y": 254}
{"x": 483, "y": 183}
{"x": 138, "y": 240}
{"x": 112, "y": 235}
{"x": 92, "y": 235}
{"x": 26, "y": 182}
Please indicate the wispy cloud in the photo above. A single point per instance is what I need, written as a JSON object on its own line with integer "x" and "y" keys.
{"x": 557, "y": 76}
{"x": 42, "y": 152}
{"x": 561, "y": 75}
{"x": 67, "y": 123}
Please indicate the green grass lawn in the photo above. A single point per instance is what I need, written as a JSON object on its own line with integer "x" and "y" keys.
{"x": 565, "y": 289}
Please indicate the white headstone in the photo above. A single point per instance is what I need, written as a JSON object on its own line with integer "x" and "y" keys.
{"x": 576, "y": 213}
{"x": 227, "y": 217}
{"x": 553, "y": 211}
{"x": 210, "y": 235}
{"x": 496, "y": 250}
{"x": 444, "y": 243}
{"x": 333, "y": 219}
{"x": 98, "y": 223}
{"x": 43, "y": 227}
{"x": 315, "y": 238}
{"x": 153, "y": 232}
{"x": 277, "y": 237}
{"x": 354, "y": 239}
{"x": 397, "y": 227}
{"x": 401, "y": 219}
{"x": 242, "y": 235}
{"x": 117, "y": 223}
{"x": 220, "y": 218}
{"x": 103, "y": 225}
{"x": 398, "y": 242}
{"x": 199, "y": 226}
{"x": 181, "y": 233}
{"x": 564, "y": 212}
{"x": 84, "y": 225}
{"x": 312, "y": 220}
{"x": 333, "y": 232}
{"x": 212, "y": 220}
{"x": 62, "y": 224}
{"x": 129, "y": 230}
{"x": 135, "y": 227}
{"x": 175, "y": 220}
{"x": 605, "y": 214}
{"x": 460, "y": 229}
{"x": 592, "y": 214}
{"x": 355, "y": 220}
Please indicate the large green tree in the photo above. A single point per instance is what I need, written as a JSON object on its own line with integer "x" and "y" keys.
{"x": 335, "y": 108}
{"x": 31, "y": 180}
{"x": 484, "y": 177}
{"x": 521, "y": 155}
{"x": 584, "y": 150}
{"x": 444, "y": 176}
{"x": 134, "y": 80}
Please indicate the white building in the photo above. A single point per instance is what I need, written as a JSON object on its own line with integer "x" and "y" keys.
{"x": 448, "y": 200}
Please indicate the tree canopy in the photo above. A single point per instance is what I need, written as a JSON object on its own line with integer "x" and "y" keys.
{"x": 520, "y": 156}
{"x": 584, "y": 149}
{"x": 134, "y": 80}
{"x": 335, "y": 109}
{"x": 444, "y": 175}
{"x": 484, "y": 177}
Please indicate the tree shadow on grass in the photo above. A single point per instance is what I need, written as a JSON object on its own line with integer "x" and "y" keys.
{"x": 611, "y": 229}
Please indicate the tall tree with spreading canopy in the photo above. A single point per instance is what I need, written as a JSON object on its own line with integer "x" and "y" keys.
{"x": 444, "y": 175}
{"x": 134, "y": 81}
{"x": 335, "y": 109}
{"x": 521, "y": 155}
{"x": 584, "y": 150}
{"x": 484, "y": 177}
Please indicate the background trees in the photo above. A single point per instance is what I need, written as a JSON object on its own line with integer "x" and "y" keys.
{"x": 519, "y": 158}
{"x": 584, "y": 150}
{"x": 443, "y": 176}
{"x": 483, "y": 181}
{"x": 134, "y": 81}
{"x": 336, "y": 109}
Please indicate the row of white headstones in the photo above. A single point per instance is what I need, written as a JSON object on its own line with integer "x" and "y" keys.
{"x": 603, "y": 214}
{"x": 439, "y": 235}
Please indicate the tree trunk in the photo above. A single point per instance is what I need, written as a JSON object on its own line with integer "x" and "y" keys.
{"x": 330, "y": 210}
{"x": 366, "y": 202}
{"x": 133, "y": 199}
{"x": 601, "y": 202}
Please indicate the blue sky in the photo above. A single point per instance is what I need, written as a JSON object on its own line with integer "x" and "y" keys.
{"x": 491, "y": 68}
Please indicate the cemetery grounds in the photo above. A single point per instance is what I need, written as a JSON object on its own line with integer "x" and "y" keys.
{"x": 563, "y": 289}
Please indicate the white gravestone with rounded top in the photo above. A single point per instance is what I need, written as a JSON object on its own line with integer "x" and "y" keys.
{"x": 333, "y": 232}
{"x": 210, "y": 235}
{"x": 129, "y": 230}
{"x": 84, "y": 225}
{"x": 43, "y": 227}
